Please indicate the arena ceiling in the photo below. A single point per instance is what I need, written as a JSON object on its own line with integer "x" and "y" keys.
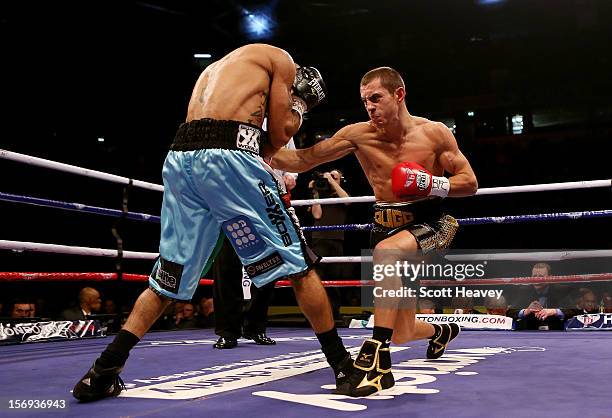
{"x": 105, "y": 66}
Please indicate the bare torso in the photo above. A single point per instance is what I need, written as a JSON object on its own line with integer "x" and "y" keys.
{"x": 378, "y": 153}
{"x": 222, "y": 93}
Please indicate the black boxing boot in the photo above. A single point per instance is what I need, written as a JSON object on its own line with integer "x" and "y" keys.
{"x": 338, "y": 358}
{"x": 99, "y": 383}
{"x": 371, "y": 371}
{"x": 343, "y": 371}
{"x": 443, "y": 335}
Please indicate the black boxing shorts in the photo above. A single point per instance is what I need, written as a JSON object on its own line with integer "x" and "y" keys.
{"x": 432, "y": 229}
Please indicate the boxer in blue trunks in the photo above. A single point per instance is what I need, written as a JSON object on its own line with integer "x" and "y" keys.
{"x": 216, "y": 184}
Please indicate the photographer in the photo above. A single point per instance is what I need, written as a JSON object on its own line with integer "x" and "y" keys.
{"x": 329, "y": 243}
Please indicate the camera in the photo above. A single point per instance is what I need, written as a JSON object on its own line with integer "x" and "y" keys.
{"x": 321, "y": 184}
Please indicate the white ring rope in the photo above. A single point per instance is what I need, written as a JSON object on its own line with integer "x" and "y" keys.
{"x": 569, "y": 185}
{"x": 101, "y": 252}
{"x": 347, "y": 259}
{"x": 41, "y": 162}
{"x": 333, "y": 200}
{"x": 14, "y": 156}
{"x": 67, "y": 249}
{"x": 546, "y": 187}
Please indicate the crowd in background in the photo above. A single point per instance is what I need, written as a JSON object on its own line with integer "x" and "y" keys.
{"x": 536, "y": 306}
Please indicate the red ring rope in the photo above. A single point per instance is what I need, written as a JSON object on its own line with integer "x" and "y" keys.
{"x": 100, "y": 277}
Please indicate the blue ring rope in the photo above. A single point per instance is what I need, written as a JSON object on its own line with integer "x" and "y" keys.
{"x": 484, "y": 220}
{"x": 350, "y": 227}
{"x": 79, "y": 207}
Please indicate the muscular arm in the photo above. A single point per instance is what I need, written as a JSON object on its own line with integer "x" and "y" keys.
{"x": 283, "y": 123}
{"x": 462, "y": 180}
{"x": 301, "y": 160}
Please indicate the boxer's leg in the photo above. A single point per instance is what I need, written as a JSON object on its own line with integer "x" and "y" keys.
{"x": 313, "y": 302}
{"x": 189, "y": 240}
{"x": 408, "y": 328}
{"x": 388, "y": 252}
{"x": 102, "y": 379}
{"x": 266, "y": 235}
{"x": 147, "y": 309}
{"x": 394, "y": 318}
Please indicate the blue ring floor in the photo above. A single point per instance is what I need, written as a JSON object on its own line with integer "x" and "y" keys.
{"x": 179, "y": 374}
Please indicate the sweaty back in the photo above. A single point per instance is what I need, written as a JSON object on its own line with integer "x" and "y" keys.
{"x": 236, "y": 87}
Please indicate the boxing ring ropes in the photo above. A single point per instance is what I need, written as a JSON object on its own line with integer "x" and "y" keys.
{"x": 171, "y": 374}
{"x": 72, "y": 250}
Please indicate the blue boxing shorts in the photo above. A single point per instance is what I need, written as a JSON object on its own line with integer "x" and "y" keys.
{"x": 216, "y": 185}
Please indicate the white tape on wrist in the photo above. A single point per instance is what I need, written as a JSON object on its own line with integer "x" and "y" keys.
{"x": 440, "y": 186}
{"x": 299, "y": 106}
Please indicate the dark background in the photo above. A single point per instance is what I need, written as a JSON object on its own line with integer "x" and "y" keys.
{"x": 123, "y": 70}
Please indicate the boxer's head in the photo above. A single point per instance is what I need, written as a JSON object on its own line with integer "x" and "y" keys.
{"x": 382, "y": 93}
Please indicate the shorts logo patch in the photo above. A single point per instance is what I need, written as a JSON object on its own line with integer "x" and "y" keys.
{"x": 168, "y": 275}
{"x": 264, "y": 265}
{"x": 243, "y": 236}
{"x": 276, "y": 214}
{"x": 248, "y": 139}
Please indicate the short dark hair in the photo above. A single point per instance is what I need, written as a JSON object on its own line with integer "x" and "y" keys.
{"x": 542, "y": 266}
{"x": 389, "y": 78}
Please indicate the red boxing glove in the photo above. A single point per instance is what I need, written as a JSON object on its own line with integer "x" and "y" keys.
{"x": 411, "y": 179}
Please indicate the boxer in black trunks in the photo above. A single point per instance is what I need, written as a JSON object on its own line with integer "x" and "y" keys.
{"x": 404, "y": 158}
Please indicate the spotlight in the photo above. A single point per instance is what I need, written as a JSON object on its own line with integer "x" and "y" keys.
{"x": 258, "y": 24}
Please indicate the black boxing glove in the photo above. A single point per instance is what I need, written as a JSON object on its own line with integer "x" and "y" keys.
{"x": 309, "y": 86}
